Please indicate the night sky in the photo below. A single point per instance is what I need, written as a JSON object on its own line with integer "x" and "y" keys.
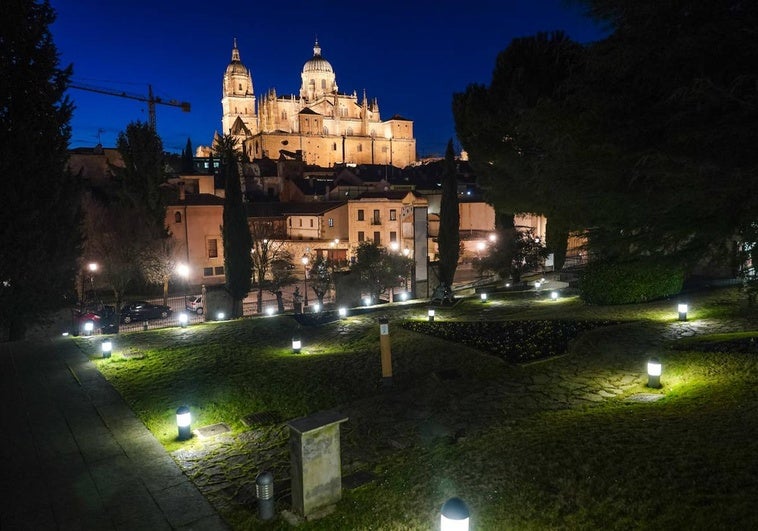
{"x": 411, "y": 55}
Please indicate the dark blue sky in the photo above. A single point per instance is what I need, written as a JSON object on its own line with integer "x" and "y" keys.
{"x": 411, "y": 55}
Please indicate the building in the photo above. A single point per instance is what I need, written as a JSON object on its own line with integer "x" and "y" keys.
{"x": 319, "y": 125}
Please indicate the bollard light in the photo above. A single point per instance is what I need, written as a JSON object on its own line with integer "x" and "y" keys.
{"x": 297, "y": 344}
{"x": 342, "y": 312}
{"x": 507, "y": 284}
{"x": 554, "y": 295}
{"x": 404, "y": 296}
{"x": 454, "y": 515}
{"x": 270, "y": 311}
{"x": 654, "y": 373}
{"x": 106, "y": 347}
{"x": 682, "y": 309}
{"x": 220, "y": 316}
{"x": 367, "y": 301}
{"x": 483, "y": 296}
{"x": 537, "y": 285}
{"x": 89, "y": 327}
{"x": 430, "y": 315}
{"x": 264, "y": 491}
{"x": 316, "y": 308}
{"x": 184, "y": 422}
{"x": 183, "y": 319}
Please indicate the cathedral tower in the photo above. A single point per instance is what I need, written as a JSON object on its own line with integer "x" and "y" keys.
{"x": 238, "y": 101}
{"x": 318, "y": 77}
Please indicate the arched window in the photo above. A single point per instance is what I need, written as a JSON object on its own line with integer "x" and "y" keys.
{"x": 240, "y": 86}
{"x": 360, "y": 148}
{"x": 326, "y": 130}
{"x": 323, "y": 84}
{"x": 349, "y": 131}
{"x": 178, "y": 217}
{"x": 334, "y": 146}
{"x": 284, "y": 115}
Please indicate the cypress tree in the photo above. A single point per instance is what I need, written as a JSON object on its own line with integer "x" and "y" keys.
{"x": 40, "y": 218}
{"x": 449, "y": 239}
{"x": 238, "y": 243}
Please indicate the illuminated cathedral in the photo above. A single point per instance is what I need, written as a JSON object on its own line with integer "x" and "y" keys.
{"x": 320, "y": 125}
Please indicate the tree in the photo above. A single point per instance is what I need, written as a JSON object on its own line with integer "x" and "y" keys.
{"x": 188, "y": 158}
{"x": 449, "y": 236}
{"x": 159, "y": 261}
{"x": 268, "y": 237}
{"x": 238, "y": 260}
{"x": 378, "y": 269}
{"x": 117, "y": 246}
{"x": 320, "y": 275}
{"x": 513, "y": 256}
{"x": 282, "y": 274}
{"x": 40, "y": 237}
{"x": 143, "y": 172}
{"x": 645, "y": 138}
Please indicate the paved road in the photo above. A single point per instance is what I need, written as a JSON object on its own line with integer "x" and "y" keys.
{"x": 74, "y": 456}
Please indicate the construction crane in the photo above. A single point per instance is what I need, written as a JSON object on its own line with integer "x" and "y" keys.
{"x": 150, "y": 99}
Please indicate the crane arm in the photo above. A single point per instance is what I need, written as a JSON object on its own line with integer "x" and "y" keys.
{"x": 150, "y": 99}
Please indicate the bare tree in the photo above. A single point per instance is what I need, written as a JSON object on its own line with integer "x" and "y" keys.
{"x": 282, "y": 274}
{"x": 159, "y": 260}
{"x": 268, "y": 247}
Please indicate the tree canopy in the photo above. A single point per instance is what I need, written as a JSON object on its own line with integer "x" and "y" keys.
{"x": 39, "y": 222}
{"x": 645, "y": 139}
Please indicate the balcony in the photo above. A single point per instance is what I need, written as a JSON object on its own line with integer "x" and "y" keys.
{"x": 376, "y": 221}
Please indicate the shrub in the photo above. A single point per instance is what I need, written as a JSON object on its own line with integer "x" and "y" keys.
{"x": 630, "y": 282}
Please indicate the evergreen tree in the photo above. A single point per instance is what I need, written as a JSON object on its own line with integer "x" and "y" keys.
{"x": 449, "y": 237}
{"x": 188, "y": 159}
{"x": 143, "y": 173}
{"x": 238, "y": 243}
{"x": 39, "y": 221}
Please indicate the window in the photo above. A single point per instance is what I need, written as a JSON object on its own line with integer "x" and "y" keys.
{"x": 311, "y": 223}
{"x": 289, "y": 220}
{"x": 218, "y": 270}
{"x": 360, "y": 148}
{"x": 331, "y": 222}
{"x": 393, "y": 236}
{"x": 360, "y": 236}
{"x": 323, "y": 84}
{"x": 213, "y": 248}
{"x": 360, "y": 215}
{"x": 377, "y": 239}
{"x": 334, "y": 146}
{"x": 240, "y": 86}
{"x": 301, "y": 222}
{"x": 178, "y": 217}
{"x": 284, "y": 115}
{"x": 375, "y": 219}
{"x": 207, "y": 271}
{"x": 393, "y": 214}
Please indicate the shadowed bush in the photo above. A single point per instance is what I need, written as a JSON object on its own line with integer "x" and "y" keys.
{"x": 630, "y": 282}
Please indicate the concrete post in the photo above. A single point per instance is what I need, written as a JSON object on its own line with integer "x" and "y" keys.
{"x": 315, "y": 461}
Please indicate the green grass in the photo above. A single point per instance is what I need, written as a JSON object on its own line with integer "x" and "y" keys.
{"x": 523, "y": 462}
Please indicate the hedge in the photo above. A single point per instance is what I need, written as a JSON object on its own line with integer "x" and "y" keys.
{"x": 630, "y": 282}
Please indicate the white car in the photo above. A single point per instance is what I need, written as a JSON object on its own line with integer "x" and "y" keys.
{"x": 195, "y": 304}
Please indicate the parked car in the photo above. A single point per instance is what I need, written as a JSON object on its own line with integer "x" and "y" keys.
{"x": 195, "y": 304}
{"x": 103, "y": 318}
{"x": 142, "y": 311}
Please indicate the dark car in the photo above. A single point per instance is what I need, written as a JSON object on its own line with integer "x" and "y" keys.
{"x": 142, "y": 311}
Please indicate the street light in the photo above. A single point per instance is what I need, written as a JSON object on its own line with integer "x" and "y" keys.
{"x": 305, "y": 277}
{"x": 183, "y": 270}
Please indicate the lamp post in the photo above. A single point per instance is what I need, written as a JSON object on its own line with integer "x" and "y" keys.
{"x": 654, "y": 373}
{"x": 305, "y": 277}
{"x": 183, "y": 270}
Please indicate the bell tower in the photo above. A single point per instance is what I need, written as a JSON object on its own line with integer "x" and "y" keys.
{"x": 238, "y": 100}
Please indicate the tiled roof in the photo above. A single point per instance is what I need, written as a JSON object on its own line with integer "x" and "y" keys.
{"x": 191, "y": 199}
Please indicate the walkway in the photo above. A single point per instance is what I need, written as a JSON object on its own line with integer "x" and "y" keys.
{"x": 74, "y": 456}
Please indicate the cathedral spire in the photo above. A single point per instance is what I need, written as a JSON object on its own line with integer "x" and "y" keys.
{"x": 235, "y": 52}
{"x": 316, "y": 49}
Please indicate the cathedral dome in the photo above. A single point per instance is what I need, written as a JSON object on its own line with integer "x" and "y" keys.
{"x": 317, "y": 63}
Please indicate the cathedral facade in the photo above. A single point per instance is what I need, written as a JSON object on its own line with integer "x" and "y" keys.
{"x": 320, "y": 124}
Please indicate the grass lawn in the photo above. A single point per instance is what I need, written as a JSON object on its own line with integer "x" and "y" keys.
{"x": 554, "y": 444}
